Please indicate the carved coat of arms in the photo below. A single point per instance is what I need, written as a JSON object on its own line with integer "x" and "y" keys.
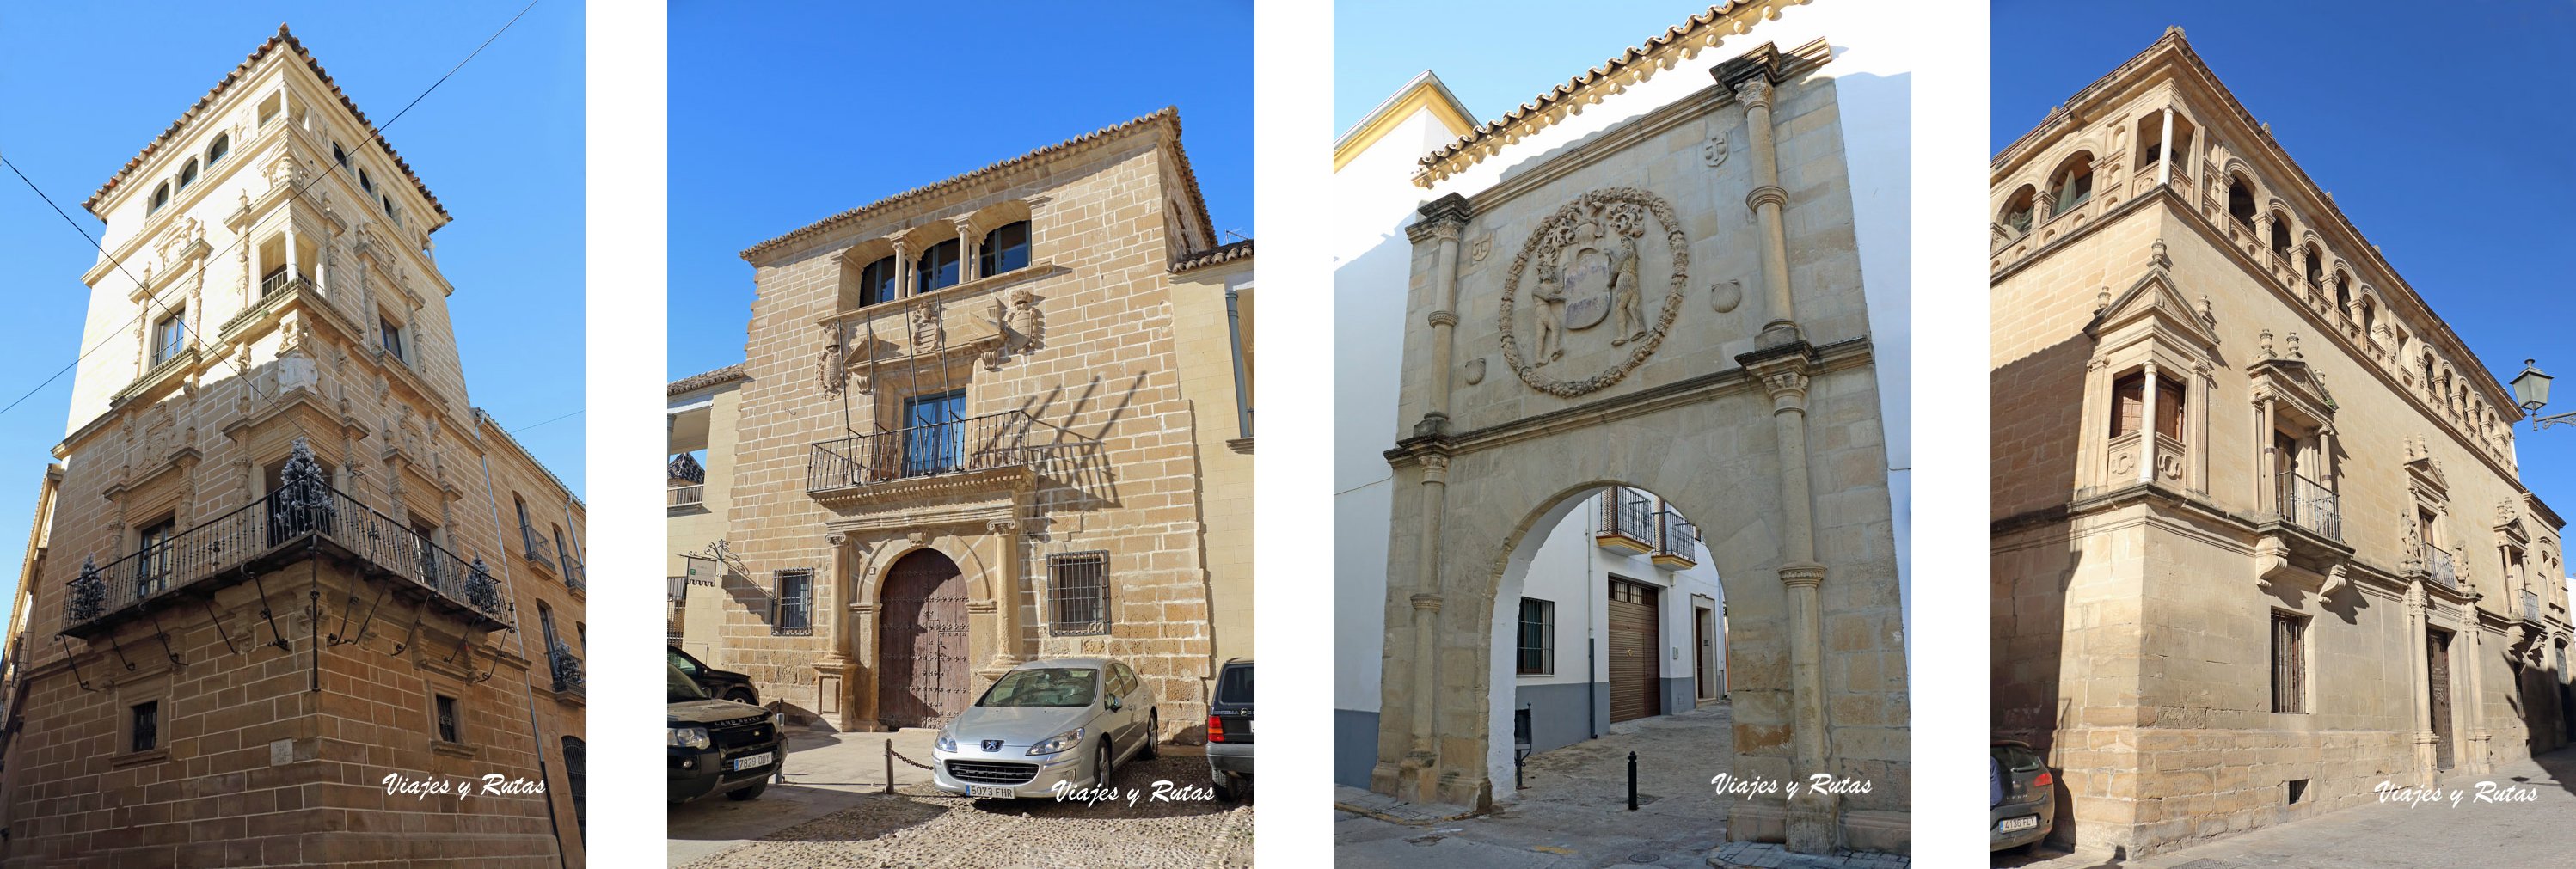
{"x": 1587, "y": 265}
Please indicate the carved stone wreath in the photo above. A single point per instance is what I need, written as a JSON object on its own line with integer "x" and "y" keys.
{"x": 1619, "y": 210}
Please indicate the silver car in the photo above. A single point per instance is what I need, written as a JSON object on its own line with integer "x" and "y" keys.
{"x": 1047, "y": 725}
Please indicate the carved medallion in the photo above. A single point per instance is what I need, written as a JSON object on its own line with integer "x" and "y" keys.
{"x": 1589, "y": 262}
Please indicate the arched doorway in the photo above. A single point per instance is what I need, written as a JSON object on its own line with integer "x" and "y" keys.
{"x": 923, "y": 674}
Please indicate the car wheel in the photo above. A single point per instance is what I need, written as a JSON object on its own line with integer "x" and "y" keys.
{"x": 1105, "y": 766}
{"x": 1153, "y": 725}
{"x": 742, "y": 695}
{"x": 1225, "y": 789}
{"x": 749, "y": 793}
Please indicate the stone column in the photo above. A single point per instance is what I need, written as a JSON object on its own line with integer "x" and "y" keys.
{"x": 1812, "y": 824}
{"x": 1442, "y": 220}
{"x": 1421, "y": 755}
{"x": 1006, "y": 542}
{"x": 294, "y": 265}
{"x": 860, "y": 714}
{"x": 1752, "y": 77}
{"x": 2267, "y": 489}
{"x": 832, "y": 671}
{"x": 965, "y": 253}
{"x": 2476, "y": 761}
{"x": 902, "y": 269}
{"x": 2422, "y": 678}
{"x": 2147, "y": 425}
{"x": 2164, "y": 149}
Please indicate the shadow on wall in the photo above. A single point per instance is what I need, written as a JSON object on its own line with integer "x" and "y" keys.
{"x": 2037, "y": 401}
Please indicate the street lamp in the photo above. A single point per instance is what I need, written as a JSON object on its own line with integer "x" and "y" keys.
{"x": 2531, "y": 390}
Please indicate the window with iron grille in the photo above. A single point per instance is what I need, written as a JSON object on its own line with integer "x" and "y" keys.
{"x": 2289, "y": 662}
{"x": 792, "y": 612}
{"x": 447, "y": 719}
{"x": 1079, "y": 584}
{"x": 147, "y": 725}
{"x": 679, "y": 613}
{"x": 1538, "y": 637}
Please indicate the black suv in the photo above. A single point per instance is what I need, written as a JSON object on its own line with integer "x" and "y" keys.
{"x": 721, "y": 684}
{"x": 719, "y": 745}
{"x": 1229, "y": 730}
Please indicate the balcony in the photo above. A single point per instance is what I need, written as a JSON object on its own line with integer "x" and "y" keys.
{"x": 2309, "y": 504}
{"x": 1628, "y": 522}
{"x": 301, "y": 519}
{"x": 538, "y": 551}
{"x": 992, "y": 443}
{"x": 1677, "y": 548}
{"x": 685, "y": 495}
{"x": 572, "y": 573}
{"x": 2441, "y": 567}
{"x": 566, "y": 670}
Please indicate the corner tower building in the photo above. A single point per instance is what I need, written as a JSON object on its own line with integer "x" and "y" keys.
{"x": 2259, "y": 539}
{"x": 282, "y": 561}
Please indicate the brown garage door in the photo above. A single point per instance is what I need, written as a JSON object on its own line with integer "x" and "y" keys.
{"x": 1634, "y": 689}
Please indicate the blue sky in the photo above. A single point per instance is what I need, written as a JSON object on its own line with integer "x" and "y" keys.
{"x": 500, "y": 143}
{"x": 1377, "y": 47}
{"x": 782, "y": 115}
{"x": 2443, "y": 137}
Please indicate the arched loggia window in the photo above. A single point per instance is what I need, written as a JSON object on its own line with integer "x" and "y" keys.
{"x": 223, "y": 144}
{"x": 877, "y": 282}
{"x": 160, "y": 197}
{"x": 2281, "y": 234}
{"x": 2240, "y": 202}
{"x": 188, "y": 173}
{"x": 2073, "y": 183}
{"x": 2018, "y": 210}
{"x": 1005, "y": 249}
{"x": 938, "y": 267}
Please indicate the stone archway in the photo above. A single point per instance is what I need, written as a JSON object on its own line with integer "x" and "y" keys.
{"x": 924, "y": 665}
{"x": 1762, "y": 426}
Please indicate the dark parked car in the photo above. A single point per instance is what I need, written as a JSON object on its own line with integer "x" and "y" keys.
{"x": 1229, "y": 730}
{"x": 2023, "y": 794}
{"x": 720, "y": 684}
{"x": 719, "y": 745}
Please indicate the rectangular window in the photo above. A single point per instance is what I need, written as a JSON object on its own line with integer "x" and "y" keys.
{"x": 2289, "y": 663}
{"x": 393, "y": 338}
{"x": 447, "y": 718}
{"x": 152, "y": 558}
{"x": 1079, "y": 585}
{"x": 2128, "y": 396}
{"x": 169, "y": 336}
{"x": 1538, "y": 637}
{"x": 794, "y": 608}
{"x": 147, "y": 725}
{"x": 932, "y": 442}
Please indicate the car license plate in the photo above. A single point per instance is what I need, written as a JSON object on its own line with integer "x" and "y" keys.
{"x": 989, "y": 791}
{"x": 743, "y": 763}
{"x": 2015, "y": 824}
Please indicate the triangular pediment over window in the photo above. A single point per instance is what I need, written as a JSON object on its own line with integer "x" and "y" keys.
{"x": 2154, "y": 302}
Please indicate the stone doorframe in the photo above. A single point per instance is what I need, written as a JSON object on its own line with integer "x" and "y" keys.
{"x": 985, "y": 542}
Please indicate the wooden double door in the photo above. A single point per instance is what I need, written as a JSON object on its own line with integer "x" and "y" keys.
{"x": 923, "y": 677}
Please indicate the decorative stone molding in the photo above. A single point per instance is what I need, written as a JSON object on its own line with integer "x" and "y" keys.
{"x": 1614, "y": 216}
{"x": 1803, "y": 574}
{"x": 1426, "y": 602}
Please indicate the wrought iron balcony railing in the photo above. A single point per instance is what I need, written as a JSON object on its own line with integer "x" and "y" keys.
{"x": 992, "y": 441}
{"x": 303, "y": 513}
{"x": 280, "y": 281}
{"x": 1680, "y": 538}
{"x": 536, "y": 548}
{"x": 572, "y": 576}
{"x": 2441, "y": 566}
{"x": 566, "y": 669}
{"x": 2309, "y": 504}
{"x": 688, "y": 495}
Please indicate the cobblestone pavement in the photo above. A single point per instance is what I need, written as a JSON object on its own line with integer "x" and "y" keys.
{"x": 1574, "y": 812}
{"x": 835, "y": 815}
{"x": 2493, "y": 835}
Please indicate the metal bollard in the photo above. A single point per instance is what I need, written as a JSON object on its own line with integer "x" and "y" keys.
{"x": 890, "y": 767}
{"x": 1632, "y": 781}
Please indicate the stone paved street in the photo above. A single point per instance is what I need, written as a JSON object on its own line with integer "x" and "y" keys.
{"x": 2539, "y": 834}
{"x": 833, "y": 812}
{"x": 1574, "y": 813}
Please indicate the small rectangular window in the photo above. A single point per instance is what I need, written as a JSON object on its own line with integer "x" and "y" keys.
{"x": 794, "y": 608}
{"x": 1537, "y": 637}
{"x": 393, "y": 339}
{"x": 147, "y": 725}
{"x": 2289, "y": 663}
{"x": 2128, "y": 396}
{"x": 169, "y": 336}
{"x": 1078, "y": 583}
{"x": 447, "y": 719}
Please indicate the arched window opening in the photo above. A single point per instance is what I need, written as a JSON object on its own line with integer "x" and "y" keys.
{"x": 2151, "y": 142}
{"x": 366, "y": 183}
{"x": 2240, "y": 202}
{"x": 2369, "y": 319}
{"x": 2343, "y": 292}
{"x": 1005, "y": 250}
{"x": 876, "y": 282}
{"x": 938, "y": 267}
{"x": 2072, "y": 185}
{"x": 2019, "y": 209}
{"x": 339, "y": 156}
{"x": 188, "y": 173}
{"x": 2281, "y": 234}
{"x": 160, "y": 197}
{"x": 223, "y": 144}
{"x": 2316, "y": 267}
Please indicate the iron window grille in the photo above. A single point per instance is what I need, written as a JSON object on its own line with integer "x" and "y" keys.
{"x": 792, "y": 611}
{"x": 447, "y": 719}
{"x": 2289, "y": 663}
{"x": 1538, "y": 637}
{"x": 147, "y": 725}
{"x": 1079, "y": 584}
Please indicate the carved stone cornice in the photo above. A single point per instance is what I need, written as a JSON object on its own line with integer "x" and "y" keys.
{"x": 1802, "y": 574}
